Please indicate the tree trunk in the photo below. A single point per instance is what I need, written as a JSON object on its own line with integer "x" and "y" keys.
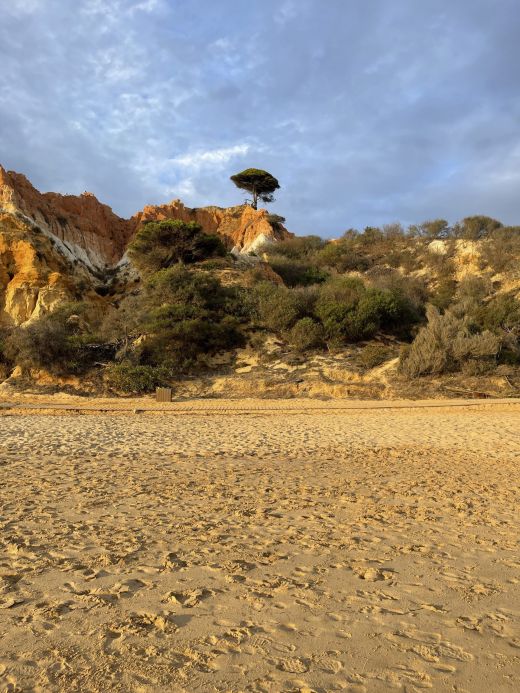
{"x": 254, "y": 205}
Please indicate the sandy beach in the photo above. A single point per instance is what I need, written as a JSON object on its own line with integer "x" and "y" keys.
{"x": 261, "y": 547}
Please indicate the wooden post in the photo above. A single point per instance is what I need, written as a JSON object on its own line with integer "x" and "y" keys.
{"x": 163, "y": 394}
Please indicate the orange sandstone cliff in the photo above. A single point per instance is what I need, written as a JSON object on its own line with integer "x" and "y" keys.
{"x": 33, "y": 277}
{"x": 54, "y": 248}
{"x": 88, "y": 229}
{"x": 243, "y": 229}
{"x": 91, "y": 232}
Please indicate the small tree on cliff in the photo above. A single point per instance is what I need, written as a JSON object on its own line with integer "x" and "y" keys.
{"x": 259, "y": 183}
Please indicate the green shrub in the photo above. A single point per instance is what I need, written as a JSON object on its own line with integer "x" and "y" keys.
{"x": 297, "y": 248}
{"x": 122, "y": 324}
{"x": 431, "y": 230}
{"x": 472, "y": 290}
{"x": 161, "y": 244}
{"x": 444, "y": 294}
{"x": 135, "y": 380}
{"x": 390, "y": 309}
{"x": 501, "y": 250}
{"x": 411, "y": 289}
{"x": 336, "y": 308}
{"x": 476, "y": 227}
{"x": 218, "y": 263}
{"x": 467, "y": 346}
{"x": 343, "y": 256}
{"x": 278, "y": 308}
{"x": 306, "y": 298}
{"x": 297, "y": 272}
{"x": 179, "y": 319}
{"x": 351, "y": 312}
{"x": 184, "y": 345}
{"x": 306, "y": 334}
{"x": 187, "y": 316}
{"x": 501, "y": 314}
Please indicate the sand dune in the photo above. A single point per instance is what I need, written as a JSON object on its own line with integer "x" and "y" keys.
{"x": 317, "y": 551}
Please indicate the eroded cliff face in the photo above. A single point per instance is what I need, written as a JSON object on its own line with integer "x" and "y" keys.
{"x": 243, "y": 229}
{"x": 92, "y": 233}
{"x": 34, "y": 278}
{"x": 50, "y": 244}
{"x": 88, "y": 230}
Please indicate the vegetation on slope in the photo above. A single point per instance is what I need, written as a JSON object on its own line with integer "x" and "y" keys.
{"x": 405, "y": 285}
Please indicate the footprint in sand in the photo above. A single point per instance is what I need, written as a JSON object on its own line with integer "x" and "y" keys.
{"x": 188, "y": 598}
{"x": 174, "y": 562}
{"x": 293, "y": 665}
{"x": 328, "y": 663}
{"x": 374, "y": 574}
{"x": 146, "y": 623}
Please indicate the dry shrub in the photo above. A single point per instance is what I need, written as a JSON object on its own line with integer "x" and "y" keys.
{"x": 475, "y": 346}
{"x": 501, "y": 252}
{"x": 445, "y": 344}
{"x": 373, "y": 355}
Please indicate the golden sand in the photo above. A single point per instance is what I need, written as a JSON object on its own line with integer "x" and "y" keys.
{"x": 261, "y": 550}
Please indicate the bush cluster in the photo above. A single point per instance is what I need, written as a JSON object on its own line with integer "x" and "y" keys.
{"x": 161, "y": 244}
{"x": 135, "y": 380}
{"x": 339, "y": 311}
{"x": 180, "y": 314}
{"x": 62, "y": 342}
{"x": 446, "y": 344}
{"x": 373, "y": 355}
{"x": 185, "y": 317}
{"x": 394, "y": 246}
{"x": 306, "y": 334}
{"x": 501, "y": 250}
{"x": 351, "y": 312}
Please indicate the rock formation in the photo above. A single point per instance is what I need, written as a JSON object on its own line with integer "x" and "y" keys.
{"x": 51, "y": 244}
{"x": 90, "y": 231}
{"x": 34, "y": 278}
{"x": 242, "y": 228}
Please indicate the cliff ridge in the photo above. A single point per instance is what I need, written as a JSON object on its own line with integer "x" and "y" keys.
{"x": 92, "y": 233}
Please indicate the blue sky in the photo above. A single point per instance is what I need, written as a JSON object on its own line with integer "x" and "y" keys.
{"x": 367, "y": 111}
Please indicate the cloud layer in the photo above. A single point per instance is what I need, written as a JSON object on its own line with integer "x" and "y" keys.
{"x": 366, "y": 112}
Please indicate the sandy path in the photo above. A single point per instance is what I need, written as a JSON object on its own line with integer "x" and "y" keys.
{"x": 361, "y": 551}
{"x": 60, "y": 403}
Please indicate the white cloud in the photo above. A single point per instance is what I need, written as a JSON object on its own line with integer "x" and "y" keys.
{"x": 120, "y": 63}
{"x": 288, "y": 10}
{"x": 186, "y": 188}
{"x": 221, "y": 44}
{"x": 21, "y": 7}
{"x": 211, "y": 157}
{"x": 145, "y": 100}
{"x": 102, "y": 7}
{"x": 146, "y": 6}
{"x": 112, "y": 10}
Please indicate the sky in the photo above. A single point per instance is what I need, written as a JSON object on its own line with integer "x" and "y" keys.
{"x": 367, "y": 111}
